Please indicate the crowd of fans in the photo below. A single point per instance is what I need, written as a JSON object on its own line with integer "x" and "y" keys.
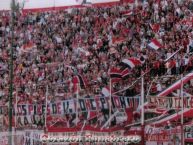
{"x": 50, "y": 48}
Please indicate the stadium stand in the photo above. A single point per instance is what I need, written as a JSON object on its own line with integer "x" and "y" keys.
{"x": 79, "y": 51}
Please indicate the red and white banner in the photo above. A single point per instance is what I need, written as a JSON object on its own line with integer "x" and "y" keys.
{"x": 106, "y": 91}
{"x": 155, "y": 135}
{"x": 24, "y": 137}
{"x": 172, "y": 102}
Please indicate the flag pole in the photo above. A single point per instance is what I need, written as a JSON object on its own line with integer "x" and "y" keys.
{"x": 182, "y": 111}
{"x": 16, "y": 109}
{"x": 142, "y": 111}
{"x": 77, "y": 97}
{"x": 11, "y": 75}
{"x": 46, "y": 108}
{"x": 110, "y": 103}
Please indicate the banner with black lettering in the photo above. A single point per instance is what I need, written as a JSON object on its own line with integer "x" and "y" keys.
{"x": 172, "y": 102}
{"x": 33, "y": 137}
{"x": 3, "y": 109}
{"x": 72, "y": 105}
{"x": 28, "y": 120}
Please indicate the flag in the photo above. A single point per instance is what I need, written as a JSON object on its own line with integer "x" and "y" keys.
{"x": 118, "y": 40}
{"x": 155, "y": 27}
{"x": 142, "y": 59}
{"x": 131, "y": 62}
{"x": 28, "y": 46}
{"x": 155, "y": 44}
{"x": 171, "y": 64}
{"x": 125, "y": 73}
{"x": 115, "y": 72}
{"x": 78, "y": 81}
{"x": 129, "y": 112}
{"x": 106, "y": 91}
{"x": 127, "y": 13}
{"x": 115, "y": 80}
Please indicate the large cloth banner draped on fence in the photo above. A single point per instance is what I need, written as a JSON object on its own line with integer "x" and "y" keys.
{"x": 154, "y": 135}
{"x": 72, "y": 106}
{"x": 172, "y": 102}
{"x": 27, "y": 137}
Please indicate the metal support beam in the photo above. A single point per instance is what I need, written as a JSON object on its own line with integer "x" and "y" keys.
{"x": 142, "y": 112}
{"x": 11, "y": 71}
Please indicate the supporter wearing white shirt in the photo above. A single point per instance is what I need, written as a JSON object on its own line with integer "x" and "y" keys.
{"x": 186, "y": 60}
{"x": 190, "y": 45}
{"x": 191, "y": 82}
{"x": 164, "y": 4}
{"x": 159, "y": 87}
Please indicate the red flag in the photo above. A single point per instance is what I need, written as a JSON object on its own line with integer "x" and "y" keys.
{"x": 155, "y": 27}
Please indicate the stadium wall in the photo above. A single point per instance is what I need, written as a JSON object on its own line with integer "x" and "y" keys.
{"x": 47, "y": 4}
